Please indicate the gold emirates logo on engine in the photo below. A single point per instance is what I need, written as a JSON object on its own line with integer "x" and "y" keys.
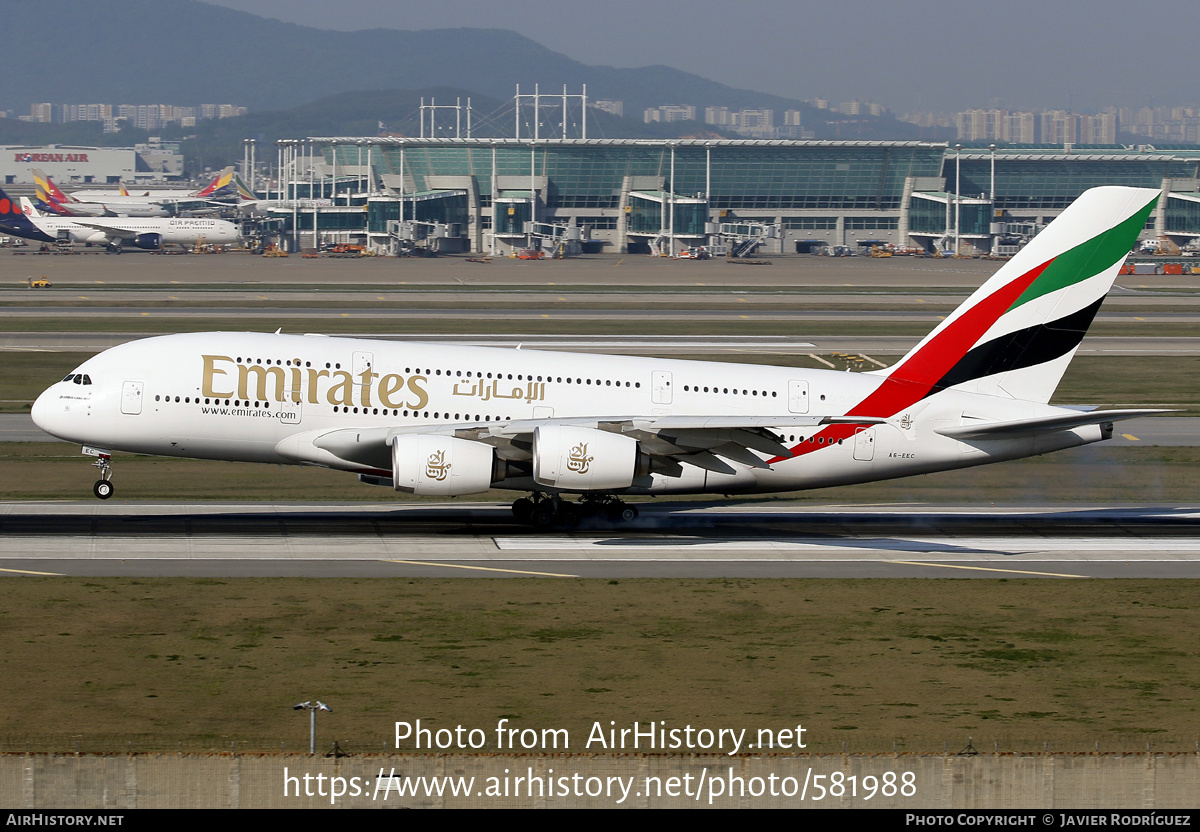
{"x": 437, "y": 468}
{"x": 224, "y": 378}
{"x": 578, "y": 460}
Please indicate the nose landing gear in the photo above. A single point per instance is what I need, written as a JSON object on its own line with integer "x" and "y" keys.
{"x": 103, "y": 489}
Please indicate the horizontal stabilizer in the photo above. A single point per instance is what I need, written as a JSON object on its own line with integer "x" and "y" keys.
{"x": 1041, "y": 424}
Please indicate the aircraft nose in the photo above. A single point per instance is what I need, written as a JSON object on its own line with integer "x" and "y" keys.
{"x": 48, "y": 413}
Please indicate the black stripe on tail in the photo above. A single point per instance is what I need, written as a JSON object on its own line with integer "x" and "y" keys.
{"x": 1023, "y": 348}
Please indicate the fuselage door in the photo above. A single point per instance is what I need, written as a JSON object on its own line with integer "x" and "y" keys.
{"x": 798, "y": 396}
{"x": 864, "y": 444}
{"x": 362, "y": 363}
{"x": 660, "y": 386}
{"x": 293, "y": 401}
{"x": 131, "y": 398}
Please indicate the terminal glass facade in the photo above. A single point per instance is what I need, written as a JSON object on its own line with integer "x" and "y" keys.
{"x": 839, "y": 192}
{"x": 1182, "y": 216}
{"x": 1052, "y": 182}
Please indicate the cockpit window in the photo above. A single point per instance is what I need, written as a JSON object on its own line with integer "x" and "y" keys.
{"x": 79, "y": 378}
{"x": 70, "y": 377}
{"x": 87, "y": 379}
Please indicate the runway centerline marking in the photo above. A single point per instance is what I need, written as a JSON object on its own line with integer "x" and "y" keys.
{"x": 479, "y": 568}
{"x": 986, "y": 569}
{"x": 31, "y": 572}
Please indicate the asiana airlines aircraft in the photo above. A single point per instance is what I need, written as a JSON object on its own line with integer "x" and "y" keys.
{"x": 450, "y": 420}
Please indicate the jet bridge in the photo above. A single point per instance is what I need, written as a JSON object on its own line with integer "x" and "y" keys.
{"x": 561, "y": 239}
{"x": 741, "y": 239}
{"x": 425, "y": 238}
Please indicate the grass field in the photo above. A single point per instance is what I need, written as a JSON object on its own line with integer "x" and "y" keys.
{"x": 107, "y": 664}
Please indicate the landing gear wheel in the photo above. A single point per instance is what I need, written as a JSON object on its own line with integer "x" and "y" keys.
{"x": 103, "y": 489}
{"x": 628, "y": 514}
{"x": 522, "y": 509}
{"x": 568, "y": 515}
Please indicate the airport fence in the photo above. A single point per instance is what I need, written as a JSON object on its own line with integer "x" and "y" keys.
{"x": 1142, "y": 781}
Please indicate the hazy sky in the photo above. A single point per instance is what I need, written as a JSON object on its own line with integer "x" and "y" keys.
{"x": 918, "y": 54}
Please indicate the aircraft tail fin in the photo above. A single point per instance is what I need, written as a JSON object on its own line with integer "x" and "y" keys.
{"x": 39, "y": 207}
{"x": 1015, "y": 336}
{"x": 10, "y": 209}
{"x": 47, "y": 191}
{"x": 222, "y": 182}
{"x": 243, "y": 190}
{"x": 15, "y": 219}
{"x": 124, "y": 190}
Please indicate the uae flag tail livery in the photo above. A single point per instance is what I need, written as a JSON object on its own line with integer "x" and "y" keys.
{"x": 1014, "y": 337}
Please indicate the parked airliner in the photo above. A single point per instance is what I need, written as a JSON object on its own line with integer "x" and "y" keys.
{"x": 151, "y": 233}
{"x": 163, "y": 204}
{"x": 450, "y": 420}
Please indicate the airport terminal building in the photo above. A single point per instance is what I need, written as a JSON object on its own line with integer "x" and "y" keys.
{"x": 664, "y": 196}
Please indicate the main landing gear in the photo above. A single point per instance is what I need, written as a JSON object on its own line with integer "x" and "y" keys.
{"x": 545, "y": 511}
{"x": 104, "y": 488}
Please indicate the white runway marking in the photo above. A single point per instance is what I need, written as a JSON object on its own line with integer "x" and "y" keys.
{"x": 835, "y": 549}
{"x": 483, "y": 568}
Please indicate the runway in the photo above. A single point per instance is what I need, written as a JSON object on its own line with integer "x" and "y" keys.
{"x": 669, "y": 540}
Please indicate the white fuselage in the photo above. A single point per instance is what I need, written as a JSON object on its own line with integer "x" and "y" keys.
{"x": 154, "y": 196}
{"x": 116, "y": 230}
{"x": 270, "y": 398}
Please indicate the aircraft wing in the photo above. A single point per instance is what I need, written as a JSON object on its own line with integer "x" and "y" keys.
{"x": 1041, "y": 424}
{"x": 708, "y": 442}
{"x": 113, "y": 230}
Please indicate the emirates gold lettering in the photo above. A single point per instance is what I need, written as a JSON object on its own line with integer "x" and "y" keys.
{"x": 437, "y": 468}
{"x": 342, "y": 392}
{"x": 418, "y": 391}
{"x": 578, "y": 459}
{"x": 389, "y": 385}
{"x": 366, "y": 377}
{"x": 313, "y": 377}
{"x": 260, "y": 373}
{"x": 210, "y": 374}
{"x": 296, "y": 384}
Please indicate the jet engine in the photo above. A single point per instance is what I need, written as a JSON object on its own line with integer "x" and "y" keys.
{"x": 150, "y": 242}
{"x": 585, "y": 459}
{"x": 443, "y": 465}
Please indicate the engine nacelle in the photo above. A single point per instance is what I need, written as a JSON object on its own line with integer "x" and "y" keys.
{"x": 585, "y": 459}
{"x": 443, "y": 465}
{"x": 150, "y": 242}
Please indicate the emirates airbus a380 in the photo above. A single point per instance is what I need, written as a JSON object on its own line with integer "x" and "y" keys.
{"x": 452, "y": 420}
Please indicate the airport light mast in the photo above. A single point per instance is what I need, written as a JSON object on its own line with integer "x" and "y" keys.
{"x": 312, "y": 708}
